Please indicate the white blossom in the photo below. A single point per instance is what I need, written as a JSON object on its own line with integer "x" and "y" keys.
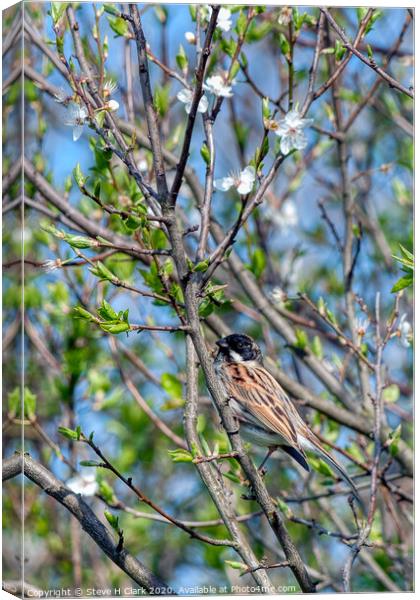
{"x": 186, "y": 97}
{"x": 290, "y": 130}
{"x": 85, "y": 484}
{"x": 112, "y": 105}
{"x": 190, "y": 37}
{"x": 243, "y": 181}
{"x": 284, "y": 217}
{"x": 405, "y": 332}
{"x": 217, "y": 86}
{"x": 76, "y": 118}
{"x": 224, "y": 18}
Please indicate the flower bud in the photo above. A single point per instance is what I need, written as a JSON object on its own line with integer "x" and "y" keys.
{"x": 112, "y": 105}
{"x": 190, "y": 37}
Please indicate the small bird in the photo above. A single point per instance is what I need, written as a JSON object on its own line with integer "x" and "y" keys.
{"x": 265, "y": 413}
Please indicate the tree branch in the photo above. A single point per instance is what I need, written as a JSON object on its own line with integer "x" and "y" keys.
{"x": 23, "y": 463}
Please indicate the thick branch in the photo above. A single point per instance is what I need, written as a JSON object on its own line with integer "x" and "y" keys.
{"x": 74, "y": 503}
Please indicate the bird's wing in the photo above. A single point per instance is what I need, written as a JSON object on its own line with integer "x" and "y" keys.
{"x": 259, "y": 394}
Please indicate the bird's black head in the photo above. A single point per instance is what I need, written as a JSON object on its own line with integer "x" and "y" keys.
{"x": 238, "y": 348}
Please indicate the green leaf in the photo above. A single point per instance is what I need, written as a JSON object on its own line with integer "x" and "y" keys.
{"x": 205, "y": 153}
{"x": 180, "y": 455}
{"x": 102, "y": 272}
{"x": 339, "y": 50}
{"x": 317, "y": 347}
{"x": 202, "y": 266}
{"x": 258, "y": 262}
{"x": 29, "y": 403}
{"x": 285, "y": 509}
{"x": 409, "y": 256}
{"x": 112, "y": 520}
{"x": 68, "y": 433}
{"x": 301, "y": 339}
{"x": 391, "y": 393}
{"x": 228, "y": 46}
{"x": 320, "y": 466}
{"x": 119, "y": 26}
{"x": 232, "y": 477}
{"x": 78, "y": 176}
{"x": 161, "y": 99}
{"x": 14, "y": 402}
{"x": 284, "y": 44}
{"x": 115, "y": 327}
{"x": 57, "y": 10}
{"x": 106, "y": 490}
{"x": 158, "y": 239}
{"x": 107, "y": 312}
{"x": 393, "y": 441}
{"x": 82, "y": 313}
{"x": 402, "y": 283}
{"x": 234, "y": 69}
{"x": 206, "y": 308}
{"x": 111, "y": 9}
{"x": 181, "y": 58}
{"x": 89, "y": 463}
{"x": 236, "y": 565}
{"x": 171, "y": 385}
{"x": 78, "y": 241}
{"x": 241, "y": 23}
{"x": 266, "y": 112}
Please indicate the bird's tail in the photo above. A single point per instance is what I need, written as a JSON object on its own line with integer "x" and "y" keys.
{"x": 335, "y": 465}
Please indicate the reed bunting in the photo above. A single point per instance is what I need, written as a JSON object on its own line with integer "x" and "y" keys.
{"x": 265, "y": 413}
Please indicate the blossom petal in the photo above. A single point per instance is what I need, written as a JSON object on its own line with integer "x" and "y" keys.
{"x": 299, "y": 141}
{"x": 185, "y": 95}
{"x": 203, "y": 104}
{"x": 248, "y": 174}
{"x": 224, "y": 184}
{"x": 77, "y": 132}
{"x": 224, "y": 19}
{"x": 83, "y": 112}
{"x": 244, "y": 187}
{"x": 286, "y": 144}
{"x": 282, "y": 129}
{"x": 292, "y": 119}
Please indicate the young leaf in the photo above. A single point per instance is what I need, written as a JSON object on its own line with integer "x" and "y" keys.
{"x": 81, "y": 313}
{"x": 89, "y": 463}
{"x": 78, "y": 176}
{"x": 68, "y": 433}
{"x": 171, "y": 385}
{"x": 236, "y": 565}
{"x": 180, "y": 455}
{"x": 205, "y": 153}
{"x": 119, "y": 26}
{"x": 181, "y": 58}
{"x": 112, "y": 520}
{"x": 29, "y": 403}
